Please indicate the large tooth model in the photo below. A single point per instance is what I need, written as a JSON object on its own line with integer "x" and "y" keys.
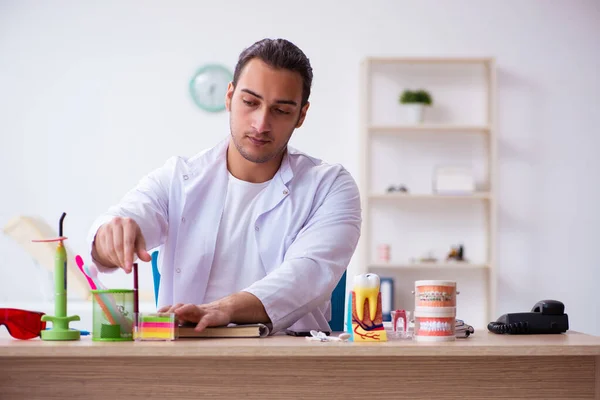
{"x": 364, "y": 316}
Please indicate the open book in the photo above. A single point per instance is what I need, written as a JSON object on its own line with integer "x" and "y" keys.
{"x": 229, "y": 331}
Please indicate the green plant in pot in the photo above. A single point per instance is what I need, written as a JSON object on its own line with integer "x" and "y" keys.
{"x": 414, "y": 103}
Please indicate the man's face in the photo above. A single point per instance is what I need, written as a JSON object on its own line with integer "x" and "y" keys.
{"x": 264, "y": 110}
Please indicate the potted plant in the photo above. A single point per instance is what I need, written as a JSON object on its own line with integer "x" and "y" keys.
{"x": 414, "y": 102}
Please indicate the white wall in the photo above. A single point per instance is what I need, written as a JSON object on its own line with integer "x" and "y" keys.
{"x": 94, "y": 94}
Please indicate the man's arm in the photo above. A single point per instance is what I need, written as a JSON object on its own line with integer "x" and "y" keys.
{"x": 238, "y": 308}
{"x": 245, "y": 308}
{"x": 137, "y": 223}
{"x": 317, "y": 258}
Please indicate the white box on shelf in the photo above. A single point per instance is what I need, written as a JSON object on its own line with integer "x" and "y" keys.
{"x": 453, "y": 180}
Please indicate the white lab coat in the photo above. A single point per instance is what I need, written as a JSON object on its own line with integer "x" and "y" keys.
{"x": 306, "y": 232}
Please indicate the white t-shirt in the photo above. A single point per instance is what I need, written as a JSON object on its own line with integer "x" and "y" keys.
{"x": 236, "y": 247}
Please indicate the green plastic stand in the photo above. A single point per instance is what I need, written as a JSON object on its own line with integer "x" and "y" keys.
{"x": 60, "y": 328}
{"x": 60, "y": 322}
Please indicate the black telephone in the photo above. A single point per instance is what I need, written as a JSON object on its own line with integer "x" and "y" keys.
{"x": 546, "y": 316}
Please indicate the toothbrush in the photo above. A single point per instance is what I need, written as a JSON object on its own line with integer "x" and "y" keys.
{"x": 92, "y": 272}
{"x": 93, "y": 286}
{"x": 79, "y": 262}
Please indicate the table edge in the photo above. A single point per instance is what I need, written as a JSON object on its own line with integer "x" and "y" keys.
{"x": 339, "y": 351}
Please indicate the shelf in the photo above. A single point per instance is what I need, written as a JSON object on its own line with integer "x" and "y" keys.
{"x": 466, "y": 94}
{"x": 442, "y": 128}
{"x": 428, "y": 265}
{"x": 430, "y": 60}
{"x": 401, "y": 196}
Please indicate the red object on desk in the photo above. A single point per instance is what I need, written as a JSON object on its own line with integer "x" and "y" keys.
{"x": 136, "y": 298}
{"x": 397, "y": 315}
{"x": 22, "y": 324}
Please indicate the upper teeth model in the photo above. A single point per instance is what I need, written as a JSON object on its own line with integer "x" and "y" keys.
{"x": 366, "y": 286}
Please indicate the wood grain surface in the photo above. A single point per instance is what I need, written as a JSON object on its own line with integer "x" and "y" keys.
{"x": 484, "y": 366}
{"x": 539, "y": 377}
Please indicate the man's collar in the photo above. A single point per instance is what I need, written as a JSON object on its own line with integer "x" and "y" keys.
{"x": 285, "y": 171}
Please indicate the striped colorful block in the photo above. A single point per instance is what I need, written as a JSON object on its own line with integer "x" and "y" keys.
{"x": 154, "y": 327}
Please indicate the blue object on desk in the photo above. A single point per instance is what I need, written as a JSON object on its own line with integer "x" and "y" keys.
{"x": 338, "y": 300}
{"x": 155, "y": 276}
{"x": 82, "y": 333}
{"x": 338, "y": 297}
{"x": 387, "y": 298}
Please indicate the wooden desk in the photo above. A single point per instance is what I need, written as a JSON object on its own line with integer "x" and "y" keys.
{"x": 484, "y": 366}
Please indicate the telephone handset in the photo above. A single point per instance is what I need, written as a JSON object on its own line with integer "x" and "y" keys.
{"x": 546, "y": 316}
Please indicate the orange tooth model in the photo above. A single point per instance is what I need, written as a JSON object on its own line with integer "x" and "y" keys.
{"x": 364, "y": 316}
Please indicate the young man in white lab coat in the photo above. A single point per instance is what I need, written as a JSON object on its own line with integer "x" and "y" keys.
{"x": 251, "y": 230}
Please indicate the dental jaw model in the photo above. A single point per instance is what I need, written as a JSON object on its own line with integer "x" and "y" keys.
{"x": 364, "y": 315}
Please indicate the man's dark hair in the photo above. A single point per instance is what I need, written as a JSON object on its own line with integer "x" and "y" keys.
{"x": 278, "y": 53}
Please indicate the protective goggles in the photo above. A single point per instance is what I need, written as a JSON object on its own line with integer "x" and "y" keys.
{"x": 22, "y": 324}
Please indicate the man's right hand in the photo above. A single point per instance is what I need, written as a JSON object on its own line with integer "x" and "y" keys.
{"x": 117, "y": 241}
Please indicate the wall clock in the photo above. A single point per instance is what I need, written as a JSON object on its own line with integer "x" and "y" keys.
{"x": 208, "y": 87}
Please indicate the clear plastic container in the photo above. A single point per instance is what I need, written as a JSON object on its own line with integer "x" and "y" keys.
{"x": 155, "y": 326}
{"x": 401, "y": 324}
{"x": 112, "y": 315}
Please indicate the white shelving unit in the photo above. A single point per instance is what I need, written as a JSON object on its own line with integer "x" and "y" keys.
{"x": 463, "y": 113}
{"x": 394, "y": 130}
{"x": 423, "y": 196}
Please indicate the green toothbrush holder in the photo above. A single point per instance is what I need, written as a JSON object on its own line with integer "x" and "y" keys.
{"x": 113, "y": 316}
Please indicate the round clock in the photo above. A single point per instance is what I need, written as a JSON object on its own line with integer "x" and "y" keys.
{"x": 209, "y": 86}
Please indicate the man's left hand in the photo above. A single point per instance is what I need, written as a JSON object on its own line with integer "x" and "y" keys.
{"x": 238, "y": 308}
{"x": 205, "y": 315}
